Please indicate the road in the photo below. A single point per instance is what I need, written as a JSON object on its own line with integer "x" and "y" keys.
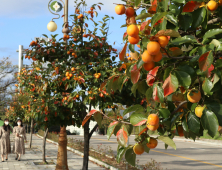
{"x": 188, "y": 156}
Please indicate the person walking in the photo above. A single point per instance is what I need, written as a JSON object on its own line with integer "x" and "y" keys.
{"x": 20, "y": 136}
{"x": 5, "y": 145}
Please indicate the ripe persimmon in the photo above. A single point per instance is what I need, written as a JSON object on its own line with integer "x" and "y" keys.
{"x": 153, "y": 47}
{"x": 180, "y": 130}
{"x": 146, "y": 57}
{"x": 149, "y": 66}
{"x": 163, "y": 40}
{"x": 152, "y": 143}
{"x": 153, "y": 119}
{"x": 130, "y": 12}
{"x": 153, "y": 128}
{"x": 132, "y": 30}
{"x": 120, "y": 9}
{"x": 199, "y": 111}
{"x": 220, "y": 2}
{"x": 212, "y": 5}
{"x": 158, "y": 57}
{"x": 194, "y": 96}
{"x": 138, "y": 149}
{"x": 133, "y": 40}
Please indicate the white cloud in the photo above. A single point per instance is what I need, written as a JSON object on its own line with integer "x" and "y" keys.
{"x": 38, "y": 8}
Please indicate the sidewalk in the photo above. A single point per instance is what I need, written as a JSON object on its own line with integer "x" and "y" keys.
{"x": 35, "y": 155}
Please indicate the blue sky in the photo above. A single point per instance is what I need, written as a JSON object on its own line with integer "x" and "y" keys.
{"x": 22, "y": 20}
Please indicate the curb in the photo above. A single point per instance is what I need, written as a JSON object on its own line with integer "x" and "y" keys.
{"x": 216, "y": 143}
{"x": 81, "y": 154}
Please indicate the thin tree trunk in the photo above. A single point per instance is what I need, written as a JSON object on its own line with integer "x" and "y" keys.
{"x": 43, "y": 146}
{"x": 86, "y": 146}
{"x": 31, "y": 131}
{"x": 62, "y": 150}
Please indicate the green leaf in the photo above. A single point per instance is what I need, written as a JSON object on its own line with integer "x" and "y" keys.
{"x": 157, "y": 17}
{"x": 164, "y": 113}
{"x": 184, "y": 124}
{"x": 160, "y": 94}
{"x": 140, "y": 63}
{"x": 131, "y": 47}
{"x": 179, "y": 1}
{"x": 142, "y": 87}
{"x": 167, "y": 72}
{"x": 45, "y": 35}
{"x": 149, "y": 93}
{"x": 128, "y": 128}
{"x": 188, "y": 69}
{"x": 184, "y": 39}
{"x": 218, "y": 63}
{"x": 194, "y": 105}
{"x": 111, "y": 129}
{"x": 209, "y": 122}
{"x": 134, "y": 88}
{"x": 193, "y": 123}
{"x": 98, "y": 118}
{"x": 183, "y": 78}
{"x": 207, "y": 86}
{"x": 134, "y": 108}
{"x": 217, "y": 109}
{"x": 130, "y": 156}
{"x": 120, "y": 153}
{"x": 167, "y": 141}
{"x": 188, "y": 19}
{"x": 122, "y": 136}
{"x": 138, "y": 119}
{"x": 163, "y": 5}
{"x": 211, "y": 33}
{"x": 143, "y": 16}
{"x": 217, "y": 44}
{"x": 137, "y": 2}
{"x": 198, "y": 17}
{"x": 171, "y": 19}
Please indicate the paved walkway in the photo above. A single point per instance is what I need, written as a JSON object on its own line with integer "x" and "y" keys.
{"x": 35, "y": 155}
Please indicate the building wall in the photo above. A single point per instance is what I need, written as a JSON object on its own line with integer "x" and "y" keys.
{"x": 80, "y": 131}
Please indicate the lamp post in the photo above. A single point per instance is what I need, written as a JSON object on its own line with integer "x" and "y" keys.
{"x": 56, "y": 6}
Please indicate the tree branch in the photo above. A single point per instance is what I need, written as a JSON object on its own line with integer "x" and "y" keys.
{"x": 213, "y": 21}
{"x": 179, "y": 106}
{"x": 116, "y": 120}
{"x": 177, "y": 58}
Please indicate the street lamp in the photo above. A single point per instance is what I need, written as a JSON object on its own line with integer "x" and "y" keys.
{"x": 55, "y": 6}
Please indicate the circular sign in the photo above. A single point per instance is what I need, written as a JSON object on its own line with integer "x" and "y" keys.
{"x": 56, "y": 6}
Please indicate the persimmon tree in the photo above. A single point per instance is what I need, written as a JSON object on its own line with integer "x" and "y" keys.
{"x": 174, "y": 66}
{"x": 74, "y": 79}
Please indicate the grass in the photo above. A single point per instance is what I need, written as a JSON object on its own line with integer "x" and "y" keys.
{"x": 216, "y": 137}
{"x": 103, "y": 153}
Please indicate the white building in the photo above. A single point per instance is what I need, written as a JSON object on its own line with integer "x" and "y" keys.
{"x": 80, "y": 131}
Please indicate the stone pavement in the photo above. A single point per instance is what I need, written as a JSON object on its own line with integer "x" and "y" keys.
{"x": 35, "y": 155}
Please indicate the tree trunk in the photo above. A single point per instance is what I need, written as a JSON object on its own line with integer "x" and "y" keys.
{"x": 62, "y": 150}
{"x": 31, "y": 131}
{"x": 43, "y": 146}
{"x": 86, "y": 146}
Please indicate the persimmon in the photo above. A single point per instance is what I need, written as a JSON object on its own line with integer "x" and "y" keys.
{"x": 127, "y": 54}
{"x": 138, "y": 149}
{"x": 178, "y": 98}
{"x": 70, "y": 74}
{"x": 180, "y": 130}
{"x": 153, "y": 119}
{"x": 146, "y": 57}
{"x": 163, "y": 40}
{"x": 72, "y": 69}
{"x": 149, "y": 66}
{"x": 194, "y": 96}
{"x": 130, "y": 12}
{"x": 199, "y": 111}
{"x": 67, "y": 74}
{"x": 153, "y": 47}
{"x": 212, "y": 5}
{"x": 132, "y": 30}
{"x": 133, "y": 40}
{"x": 120, "y": 9}
{"x": 220, "y": 2}
{"x": 68, "y": 52}
{"x": 158, "y": 57}
{"x": 153, "y": 128}
{"x": 152, "y": 143}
